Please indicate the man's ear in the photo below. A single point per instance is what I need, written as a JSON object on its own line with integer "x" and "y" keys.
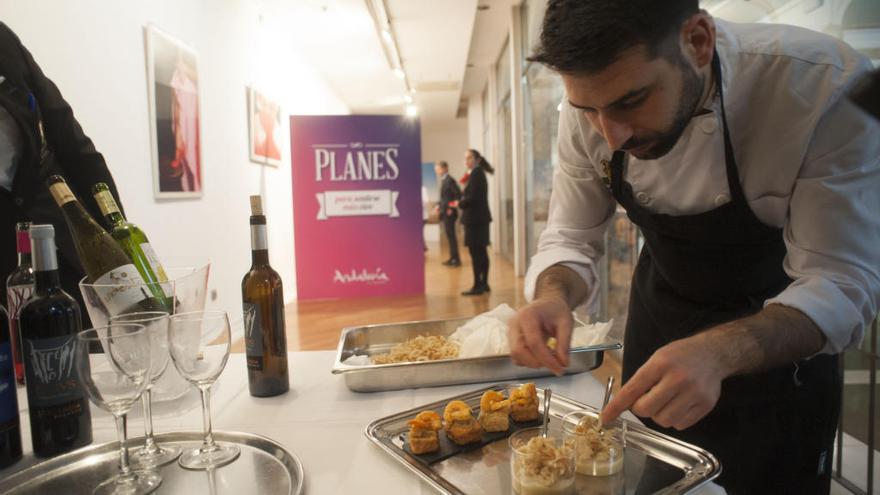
{"x": 698, "y": 38}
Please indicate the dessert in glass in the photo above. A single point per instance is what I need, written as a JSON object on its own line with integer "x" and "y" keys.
{"x": 540, "y": 465}
{"x": 598, "y": 451}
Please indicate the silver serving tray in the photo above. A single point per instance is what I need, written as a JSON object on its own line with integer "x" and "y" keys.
{"x": 377, "y": 339}
{"x": 653, "y": 463}
{"x": 264, "y": 466}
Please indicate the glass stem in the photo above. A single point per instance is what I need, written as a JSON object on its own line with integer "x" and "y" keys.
{"x": 149, "y": 445}
{"x": 125, "y": 473}
{"x": 209, "y": 444}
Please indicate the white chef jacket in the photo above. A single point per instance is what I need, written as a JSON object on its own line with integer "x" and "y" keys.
{"x": 808, "y": 159}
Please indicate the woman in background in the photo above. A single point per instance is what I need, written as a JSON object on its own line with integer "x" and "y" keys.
{"x": 475, "y": 217}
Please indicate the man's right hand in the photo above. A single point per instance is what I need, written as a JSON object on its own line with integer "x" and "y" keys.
{"x": 545, "y": 317}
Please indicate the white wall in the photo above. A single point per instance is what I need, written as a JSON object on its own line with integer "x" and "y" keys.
{"x": 446, "y": 140}
{"x": 94, "y": 51}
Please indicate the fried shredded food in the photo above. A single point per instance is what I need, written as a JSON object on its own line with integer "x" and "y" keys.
{"x": 524, "y": 395}
{"x": 457, "y": 411}
{"x": 493, "y": 401}
{"x": 421, "y": 348}
{"x": 425, "y": 420}
{"x": 541, "y": 461}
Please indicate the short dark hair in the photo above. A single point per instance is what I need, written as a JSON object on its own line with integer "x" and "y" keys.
{"x": 443, "y": 164}
{"x": 586, "y": 36}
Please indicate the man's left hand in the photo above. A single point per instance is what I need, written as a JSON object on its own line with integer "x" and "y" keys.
{"x": 676, "y": 387}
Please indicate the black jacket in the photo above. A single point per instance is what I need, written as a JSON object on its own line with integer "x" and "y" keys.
{"x": 449, "y": 192}
{"x": 38, "y": 108}
{"x": 474, "y": 202}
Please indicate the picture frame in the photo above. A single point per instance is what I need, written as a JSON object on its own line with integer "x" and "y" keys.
{"x": 174, "y": 112}
{"x": 265, "y": 128}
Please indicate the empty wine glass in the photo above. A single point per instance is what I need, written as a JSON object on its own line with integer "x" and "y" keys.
{"x": 115, "y": 380}
{"x": 199, "y": 344}
{"x": 156, "y": 323}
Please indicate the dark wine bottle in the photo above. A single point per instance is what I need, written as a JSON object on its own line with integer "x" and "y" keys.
{"x": 57, "y": 402}
{"x": 115, "y": 278}
{"x": 263, "y": 299}
{"x": 10, "y": 425}
{"x": 19, "y": 287}
{"x": 133, "y": 241}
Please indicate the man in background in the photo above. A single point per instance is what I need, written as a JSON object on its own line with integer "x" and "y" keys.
{"x": 449, "y": 196}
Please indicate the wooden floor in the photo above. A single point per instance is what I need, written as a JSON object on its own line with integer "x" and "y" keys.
{"x": 316, "y": 325}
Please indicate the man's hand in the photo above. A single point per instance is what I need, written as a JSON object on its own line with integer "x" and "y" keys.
{"x": 676, "y": 387}
{"x": 529, "y": 330}
{"x": 681, "y": 382}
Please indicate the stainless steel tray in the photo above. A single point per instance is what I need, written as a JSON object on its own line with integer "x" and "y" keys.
{"x": 654, "y": 463}
{"x": 264, "y": 466}
{"x": 377, "y": 339}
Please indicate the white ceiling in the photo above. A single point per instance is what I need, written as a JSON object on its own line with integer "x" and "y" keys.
{"x": 434, "y": 37}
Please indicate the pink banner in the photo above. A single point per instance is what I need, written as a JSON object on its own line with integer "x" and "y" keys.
{"x": 357, "y": 206}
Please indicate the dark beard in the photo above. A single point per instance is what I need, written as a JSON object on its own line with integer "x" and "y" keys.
{"x": 691, "y": 93}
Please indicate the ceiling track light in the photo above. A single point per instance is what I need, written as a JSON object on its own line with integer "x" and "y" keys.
{"x": 382, "y": 22}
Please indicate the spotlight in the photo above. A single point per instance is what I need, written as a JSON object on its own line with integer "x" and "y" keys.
{"x": 407, "y": 98}
{"x": 412, "y": 110}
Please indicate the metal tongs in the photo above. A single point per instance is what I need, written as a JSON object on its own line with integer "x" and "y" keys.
{"x": 608, "y": 385}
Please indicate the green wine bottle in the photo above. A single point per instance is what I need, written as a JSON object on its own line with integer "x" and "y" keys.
{"x": 129, "y": 236}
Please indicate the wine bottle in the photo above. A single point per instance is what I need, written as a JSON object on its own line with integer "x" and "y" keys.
{"x": 116, "y": 280}
{"x": 133, "y": 241}
{"x": 19, "y": 287}
{"x": 10, "y": 425}
{"x": 263, "y": 298}
{"x": 57, "y": 402}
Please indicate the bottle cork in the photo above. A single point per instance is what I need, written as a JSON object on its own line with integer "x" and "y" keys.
{"x": 256, "y": 205}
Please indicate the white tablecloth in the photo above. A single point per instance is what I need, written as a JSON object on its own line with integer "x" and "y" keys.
{"x": 319, "y": 420}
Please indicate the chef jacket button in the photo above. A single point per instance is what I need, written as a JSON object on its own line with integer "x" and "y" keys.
{"x": 19, "y": 201}
{"x": 709, "y": 125}
{"x": 643, "y": 198}
{"x": 721, "y": 199}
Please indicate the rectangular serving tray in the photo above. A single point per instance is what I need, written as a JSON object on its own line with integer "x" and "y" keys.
{"x": 377, "y": 339}
{"x": 653, "y": 463}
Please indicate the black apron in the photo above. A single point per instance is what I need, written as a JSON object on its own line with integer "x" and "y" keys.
{"x": 773, "y": 432}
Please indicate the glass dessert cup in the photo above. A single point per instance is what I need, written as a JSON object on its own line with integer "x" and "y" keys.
{"x": 540, "y": 465}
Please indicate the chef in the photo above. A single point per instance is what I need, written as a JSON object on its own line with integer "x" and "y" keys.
{"x": 756, "y": 185}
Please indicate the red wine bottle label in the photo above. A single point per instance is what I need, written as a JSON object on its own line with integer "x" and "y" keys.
{"x": 16, "y": 296}
{"x": 121, "y": 288}
{"x": 50, "y": 371}
{"x": 8, "y": 394}
{"x": 253, "y": 336}
{"x": 154, "y": 262}
{"x": 23, "y": 242}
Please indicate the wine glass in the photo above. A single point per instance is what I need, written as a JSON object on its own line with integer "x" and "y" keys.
{"x": 114, "y": 380}
{"x": 199, "y": 344}
{"x": 156, "y": 324}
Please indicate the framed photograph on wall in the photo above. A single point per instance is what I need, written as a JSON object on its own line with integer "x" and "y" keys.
{"x": 265, "y": 134}
{"x": 173, "y": 90}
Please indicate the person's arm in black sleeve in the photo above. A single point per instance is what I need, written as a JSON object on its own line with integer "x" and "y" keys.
{"x": 477, "y": 187}
{"x": 81, "y": 164}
